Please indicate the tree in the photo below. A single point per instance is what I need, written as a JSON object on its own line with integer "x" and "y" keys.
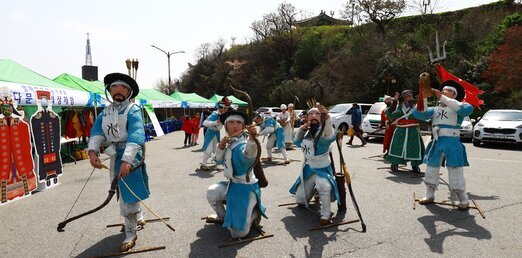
{"x": 163, "y": 86}
{"x": 276, "y": 30}
{"x": 425, "y": 6}
{"x": 505, "y": 69}
{"x": 380, "y": 12}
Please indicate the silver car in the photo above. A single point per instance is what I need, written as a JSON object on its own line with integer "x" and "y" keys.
{"x": 466, "y": 128}
{"x": 500, "y": 125}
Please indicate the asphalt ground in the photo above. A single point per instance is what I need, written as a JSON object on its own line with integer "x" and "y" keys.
{"x": 394, "y": 228}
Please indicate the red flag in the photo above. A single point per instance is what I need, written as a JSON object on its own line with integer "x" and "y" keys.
{"x": 471, "y": 90}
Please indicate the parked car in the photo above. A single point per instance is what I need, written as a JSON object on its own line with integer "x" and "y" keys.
{"x": 466, "y": 128}
{"x": 272, "y": 111}
{"x": 341, "y": 114}
{"x": 372, "y": 120}
{"x": 499, "y": 125}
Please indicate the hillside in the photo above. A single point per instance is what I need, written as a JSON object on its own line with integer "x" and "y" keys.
{"x": 360, "y": 63}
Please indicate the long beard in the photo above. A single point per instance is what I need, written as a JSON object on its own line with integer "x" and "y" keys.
{"x": 314, "y": 128}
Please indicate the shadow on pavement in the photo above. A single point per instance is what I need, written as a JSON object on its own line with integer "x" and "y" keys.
{"x": 502, "y": 146}
{"x": 462, "y": 222}
{"x": 301, "y": 220}
{"x": 205, "y": 173}
{"x": 478, "y": 197}
{"x": 211, "y": 236}
{"x": 108, "y": 245}
{"x": 182, "y": 147}
{"x": 404, "y": 177}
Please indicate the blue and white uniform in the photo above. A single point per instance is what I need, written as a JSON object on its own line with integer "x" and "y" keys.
{"x": 242, "y": 196}
{"x": 446, "y": 146}
{"x": 119, "y": 127}
{"x": 212, "y": 135}
{"x": 276, "y": 136}
{"x": 316, "y": 172}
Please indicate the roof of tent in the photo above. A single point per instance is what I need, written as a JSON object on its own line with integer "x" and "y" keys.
{"x": 11, "y": 71}
{"x": 23, "y": 84}
{"x": 192, "y": 100}
{"x": 80, "y": 84}
{"x": 158, "y": 99}
{"x": 233, "y": 99}
{"x": 153, "y": 94}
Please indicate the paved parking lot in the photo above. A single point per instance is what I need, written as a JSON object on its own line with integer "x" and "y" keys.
{"x": 28, "y": 226}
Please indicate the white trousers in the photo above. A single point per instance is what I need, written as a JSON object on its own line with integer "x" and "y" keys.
{"x": 216, "y": 195}
{"x": 211, "y": 148}
{"x": 132, "y": 211}
{"x": 288, "y": 134}
{"x": 270, "y": 144}
{"x": 322, "y": 186}
{"x": 456, "y": 181}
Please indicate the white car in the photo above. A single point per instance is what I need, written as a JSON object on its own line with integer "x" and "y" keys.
{"x": 466, "y": 128}
{"x": 341, "y": 115}
{"x": 272, "y": 111}
{"x": 372, "y": 120}
{"x": 499, "y": 125}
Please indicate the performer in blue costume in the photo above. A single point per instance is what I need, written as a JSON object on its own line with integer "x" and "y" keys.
{"x": 212, "y": 135}
{"x": 119, "y": 128}
{"x": 317, "y": 173}
{"x": 446, "y": 146}
{"x": 276, "y": 135}
{"x": 237, "y": 152}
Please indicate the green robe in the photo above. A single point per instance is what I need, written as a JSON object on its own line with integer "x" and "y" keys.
{"x": 406, "y": 144}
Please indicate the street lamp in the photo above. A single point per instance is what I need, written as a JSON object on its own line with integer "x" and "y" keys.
{"x": 168, "y": 56}
{"x": 132, "y": 67}
{"x": 389, "y": 79}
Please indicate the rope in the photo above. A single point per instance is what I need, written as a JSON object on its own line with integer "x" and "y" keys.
{"x": 142, "y": 202}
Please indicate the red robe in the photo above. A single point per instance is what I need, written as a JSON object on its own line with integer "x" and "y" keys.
{"x": 17, "y": 176}
{"x": 388, "y": 133}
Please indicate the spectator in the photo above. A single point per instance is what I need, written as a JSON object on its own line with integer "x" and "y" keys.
{"x": 195, "y": 129}
{"x": 186, "y": 126}
{"x": 356, "y": 123}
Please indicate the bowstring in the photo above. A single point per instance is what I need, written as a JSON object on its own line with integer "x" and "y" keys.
{"x": 80, "y": 194}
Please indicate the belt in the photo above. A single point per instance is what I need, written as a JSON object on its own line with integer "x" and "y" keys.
{"x": 445, "y": 132}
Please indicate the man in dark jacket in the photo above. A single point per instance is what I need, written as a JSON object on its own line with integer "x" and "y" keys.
{"x": 356, "y": 123}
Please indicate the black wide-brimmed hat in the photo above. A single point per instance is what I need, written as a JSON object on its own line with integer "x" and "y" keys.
{"x": 112, "y": 77}
{"x": 223, "y": 117}
{"x": 460, "y": 90}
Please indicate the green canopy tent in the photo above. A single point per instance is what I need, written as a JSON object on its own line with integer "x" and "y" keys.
{"x": 159, "y": 99}
{"x": 23, "y": 83}
{"x": 216, "y": 98}
{"x": 80, "y": 84}
{"x": 193, "y": 100}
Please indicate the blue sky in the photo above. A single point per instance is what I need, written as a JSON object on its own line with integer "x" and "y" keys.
{"x": 49, "y": 36}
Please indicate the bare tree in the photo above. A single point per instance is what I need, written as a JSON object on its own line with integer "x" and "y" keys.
{"x": 278, "y": 27}
{"x": 380, "y": 12}
{"x": 425, "y": 6}
{"x": 275, "y": 23}
{"x": 163, "y": 86}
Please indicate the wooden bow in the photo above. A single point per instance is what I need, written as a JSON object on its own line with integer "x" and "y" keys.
{"x": 112, "y": 191}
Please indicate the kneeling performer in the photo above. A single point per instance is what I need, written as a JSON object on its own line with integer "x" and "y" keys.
{"x": 237, "y": 152}
{"x": 317, "y": 172}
